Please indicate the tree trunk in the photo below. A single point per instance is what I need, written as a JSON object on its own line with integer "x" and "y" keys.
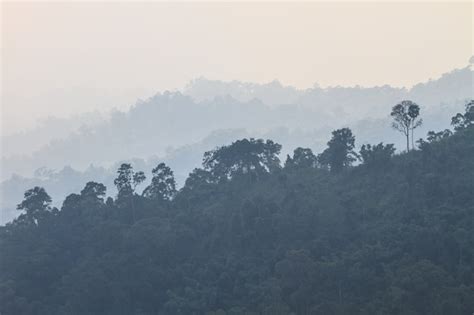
{"x": 133, "y": 209}
{"x": 408, "y": 141}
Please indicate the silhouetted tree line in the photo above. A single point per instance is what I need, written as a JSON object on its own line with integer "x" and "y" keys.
{"x": 247, "y": 235}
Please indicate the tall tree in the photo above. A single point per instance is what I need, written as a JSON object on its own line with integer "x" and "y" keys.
{"x": 405, "y": 120}
{"x": 163, "y": 184}
{"x": 37, "y": 204}
{"x": 340, "y": 151}
{"x": 243, "y": 157}
{"x": 94, "y": 192}
{"x": 123, "y": 182}
{"x": 126, "y": 182}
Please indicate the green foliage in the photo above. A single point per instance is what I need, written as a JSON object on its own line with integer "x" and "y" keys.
{"x": 300, "y": 240}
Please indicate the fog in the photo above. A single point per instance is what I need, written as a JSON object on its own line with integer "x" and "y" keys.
{"x": 227, "y": 158}
{"x": 178, "y": 127}
{"x": 167, "y": 82}
{"x": 56, "y": 64}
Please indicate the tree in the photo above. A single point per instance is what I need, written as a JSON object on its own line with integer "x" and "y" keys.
{"x": 123, "y": 182}
{"x": 127, "y": 180}
{"x": 466, "y": 120}
{"x": 243, "y": 157}
{"x": 36, "y": 205}
{"x": 91, "y": 198}
{"x": 376, "y": 155}
{"x": 198, "y": 178}
{"x": 393, "y": 240}
{"x": 405, "y": 116}
{"x": 302, "y": 158}
{"x": 163, "y": 184}
{"x": 138, "y": 178}
{"x": 340, "y": 152}
{"x": 94, "y": 191}
{"x": 437, "y": 136}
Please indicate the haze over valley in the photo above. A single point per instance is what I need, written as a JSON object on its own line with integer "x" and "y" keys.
{"x": 228, "y": 158}
{"x": 63, "y": 154}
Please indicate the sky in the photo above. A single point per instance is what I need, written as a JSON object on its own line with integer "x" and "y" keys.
{"x": 64, "y": 58}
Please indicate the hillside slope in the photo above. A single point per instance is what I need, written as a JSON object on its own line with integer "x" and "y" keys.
{"x": 390, "y": 236}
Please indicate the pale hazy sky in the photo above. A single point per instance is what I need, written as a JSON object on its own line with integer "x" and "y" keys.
{"x": 62, "y": 58}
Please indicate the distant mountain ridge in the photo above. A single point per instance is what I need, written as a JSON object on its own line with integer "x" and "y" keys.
{"x": 174, "y": 126}
{"x": 452, "y": 85}
{"x": 207, "y": 105}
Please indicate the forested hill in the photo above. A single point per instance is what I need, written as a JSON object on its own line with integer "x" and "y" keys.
{"x": 151, "y": 126}
{"x": 61, "y": 155}
{"x": 250, "y": 235}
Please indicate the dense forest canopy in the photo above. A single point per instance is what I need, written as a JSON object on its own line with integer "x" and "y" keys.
{"x": 340, "y": 232}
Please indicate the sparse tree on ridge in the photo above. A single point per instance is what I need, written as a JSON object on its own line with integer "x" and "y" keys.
{"x": 405, "y": 116}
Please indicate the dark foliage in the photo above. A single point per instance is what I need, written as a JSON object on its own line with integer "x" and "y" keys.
{"x": 394, "y": 235}
{"x": 405, "y": 120}
{"x": 302, "y": 158}
{"x": 462, "y": 121}
{"x": 163, "y": 184}
{"x": 246, "y": 156}
{"x": 340, "y": 152}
